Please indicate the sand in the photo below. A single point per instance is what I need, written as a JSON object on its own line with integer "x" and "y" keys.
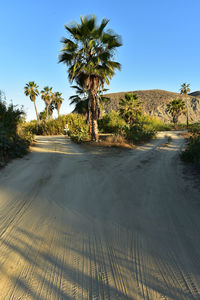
{"x": 84, "y": 223}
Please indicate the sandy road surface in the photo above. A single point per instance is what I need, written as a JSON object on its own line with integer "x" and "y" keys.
{"x": 85, "y": 223}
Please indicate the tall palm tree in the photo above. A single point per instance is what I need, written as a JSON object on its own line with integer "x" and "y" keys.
{"x": 31, "y": 90}
{"x": 89, "y": 56}
{"x": 47, "y": 96}
{"x": 58, "y": 100}
{"x": 184, "y": 90}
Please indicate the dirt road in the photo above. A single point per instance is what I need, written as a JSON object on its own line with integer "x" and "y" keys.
{"x": 85, "y": 223}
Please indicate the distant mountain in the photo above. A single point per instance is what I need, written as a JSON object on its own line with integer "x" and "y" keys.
{"x": 155, "y": 103}
{"x": 195, "y": 94}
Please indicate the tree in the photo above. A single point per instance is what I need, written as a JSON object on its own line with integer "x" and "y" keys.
{"x": 176, "y": 107}
{"x": 57, "y": 101}
{"x": 81, "y": 99}
{"x": 129, "y": 108}
{"x": 184, "y": 90}
{"x": 47, "y": 96}
{"x": 31, "y": 90}
{"x": 43, "y": 114}
{"x": 89, "y": 57}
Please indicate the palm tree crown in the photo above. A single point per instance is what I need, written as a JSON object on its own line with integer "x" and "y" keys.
{"x": 58, "y": 100}
{"x": 31, "y": 90}
{"x": 89, "y": 54}
{"x": 176, "y": 107}
{"x": 47, "y": 95}
{"x": 130, "y": 108}
{"x": 185, "y": 88}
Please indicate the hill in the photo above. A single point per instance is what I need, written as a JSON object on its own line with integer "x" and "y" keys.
{"x": 195, "y": 94}
{"x": 154, "y": 103}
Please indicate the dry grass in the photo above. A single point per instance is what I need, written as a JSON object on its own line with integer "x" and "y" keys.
{"x": 114, "y": 141}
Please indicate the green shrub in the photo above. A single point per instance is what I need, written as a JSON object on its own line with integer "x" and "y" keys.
{"x": 12, "y": 143}
{"x": 111, "y": 123}
{"x": 195, "y": 129}
{"x": 78, "y": 128}
{"x": 157, "y": 124}
{"x": 139, "y": 132}
{"x": 143, "y": 128}
{"x": 192, "y": 152}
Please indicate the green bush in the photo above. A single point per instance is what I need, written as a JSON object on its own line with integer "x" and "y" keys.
{"x": 195, "y": 129}
{"x": 78, "y": 128}
{"x": 111, "y": 123}
{"x": 12, "y": 143}
{"x": 142, "y": 129}
{"x": 192, "y": 152}
{"x": 139, "y": 132}
{"x": 157, "y": 124}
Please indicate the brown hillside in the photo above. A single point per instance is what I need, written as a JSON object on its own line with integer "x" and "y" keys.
{"x": 155, "y": 104}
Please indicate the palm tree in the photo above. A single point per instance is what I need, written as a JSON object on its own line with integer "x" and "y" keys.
{"x": 89, "y": 54}
{"x": 176, "y": 107}
{"x": 184, "y": 90}
{"x": 58, "y": 100}
{"x": 31, "y": 90}
{"x": 47, "y": 95}
{"x": 130, "y": 108}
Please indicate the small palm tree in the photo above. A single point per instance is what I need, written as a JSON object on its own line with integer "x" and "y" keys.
{"x": 130, "y": 108}
{"x": 184, "y": 90}
{"x": 47, "y": 96}
{"x": 31, "y": 90}
{"x": 89, "y": 56}
{"x": 57, "y": 101}
{"x": 176, "y": 107}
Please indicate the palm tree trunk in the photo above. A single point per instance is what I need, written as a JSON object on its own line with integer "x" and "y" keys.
{"x": 47, "y": 111}
{"x": 94, "y": 118}
{"x": 187, "y": 115}
{"x": 58, "y": 111}
{"x": 36, "y": 111}
{"x": 175, "y": 121}
{"x": 89, "y": 116}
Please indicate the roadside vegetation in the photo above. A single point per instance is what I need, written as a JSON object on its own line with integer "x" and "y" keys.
{"x": 192, "y": 151}
{"x": 77, "y": 127}
{"x": 13, "y": 141}
{"x": 130, "y": 122}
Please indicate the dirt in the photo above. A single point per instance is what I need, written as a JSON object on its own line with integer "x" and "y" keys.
{"x": 94, "y": 223}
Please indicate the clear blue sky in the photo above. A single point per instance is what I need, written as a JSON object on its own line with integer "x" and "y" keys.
{"x": 161, "y": 44}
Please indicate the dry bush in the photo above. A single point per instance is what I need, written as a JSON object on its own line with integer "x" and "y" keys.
{"x": 115, "y": 141}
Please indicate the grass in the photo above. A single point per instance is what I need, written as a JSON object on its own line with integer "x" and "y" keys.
{"x": 114, "y": 141}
